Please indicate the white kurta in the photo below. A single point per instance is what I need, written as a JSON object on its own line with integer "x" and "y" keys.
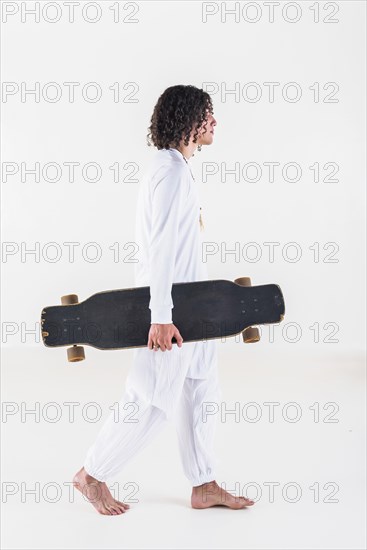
{"x": 167, "y": 231}
{"x": 169, "y": 238}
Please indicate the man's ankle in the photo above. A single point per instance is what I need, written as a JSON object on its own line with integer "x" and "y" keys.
{"x": 213, "y": 482}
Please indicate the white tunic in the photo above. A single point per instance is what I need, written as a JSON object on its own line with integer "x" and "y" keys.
{"x": 169, "y": 238}
{"x": 168, "y": 231}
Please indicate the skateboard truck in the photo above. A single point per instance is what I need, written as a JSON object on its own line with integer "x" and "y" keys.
{"x": 251, "y": 334}
{"x": 76, "y": 353}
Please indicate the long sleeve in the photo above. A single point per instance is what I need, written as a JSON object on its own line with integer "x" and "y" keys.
{"x": 168, "y": 197}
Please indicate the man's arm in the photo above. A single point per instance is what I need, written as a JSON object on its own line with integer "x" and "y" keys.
{"x": 168, "y": 198}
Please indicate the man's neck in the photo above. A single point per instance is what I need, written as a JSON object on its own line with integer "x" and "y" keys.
{"x": 187, "y": 150}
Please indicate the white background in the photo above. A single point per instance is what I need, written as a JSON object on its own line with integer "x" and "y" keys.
{"x": 170, "y": 44}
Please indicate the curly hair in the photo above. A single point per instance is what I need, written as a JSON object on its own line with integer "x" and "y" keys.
{"x": 178, "y": 111}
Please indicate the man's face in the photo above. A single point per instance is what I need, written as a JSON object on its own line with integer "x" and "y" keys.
{"x": 206, "y": 131}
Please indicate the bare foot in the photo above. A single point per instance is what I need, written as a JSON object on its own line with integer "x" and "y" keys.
{"x": 210, "y": 494}
{"x": 98, "y": 494}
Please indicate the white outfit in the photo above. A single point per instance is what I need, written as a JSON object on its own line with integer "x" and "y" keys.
{"x": 176, "y": 383}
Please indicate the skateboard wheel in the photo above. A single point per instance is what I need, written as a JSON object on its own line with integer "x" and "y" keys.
{"x": 243, "y": 281}
{"x": 251, "y": 335}
{"x": 69, "y": 300}
{"x": 76, "y": 353}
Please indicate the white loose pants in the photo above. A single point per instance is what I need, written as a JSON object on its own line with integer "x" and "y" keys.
{"x": 180, "y": 385}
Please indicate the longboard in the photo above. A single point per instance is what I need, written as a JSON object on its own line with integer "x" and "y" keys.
{"x": 120, "y": 319}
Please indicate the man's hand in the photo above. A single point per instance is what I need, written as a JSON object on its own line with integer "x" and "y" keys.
{"x": 160, "y": 336}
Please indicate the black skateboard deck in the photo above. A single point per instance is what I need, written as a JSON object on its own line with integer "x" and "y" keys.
{"x": 203, "y": 310}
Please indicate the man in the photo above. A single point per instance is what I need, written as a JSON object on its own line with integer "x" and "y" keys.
{"x": 167, "y": 381}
